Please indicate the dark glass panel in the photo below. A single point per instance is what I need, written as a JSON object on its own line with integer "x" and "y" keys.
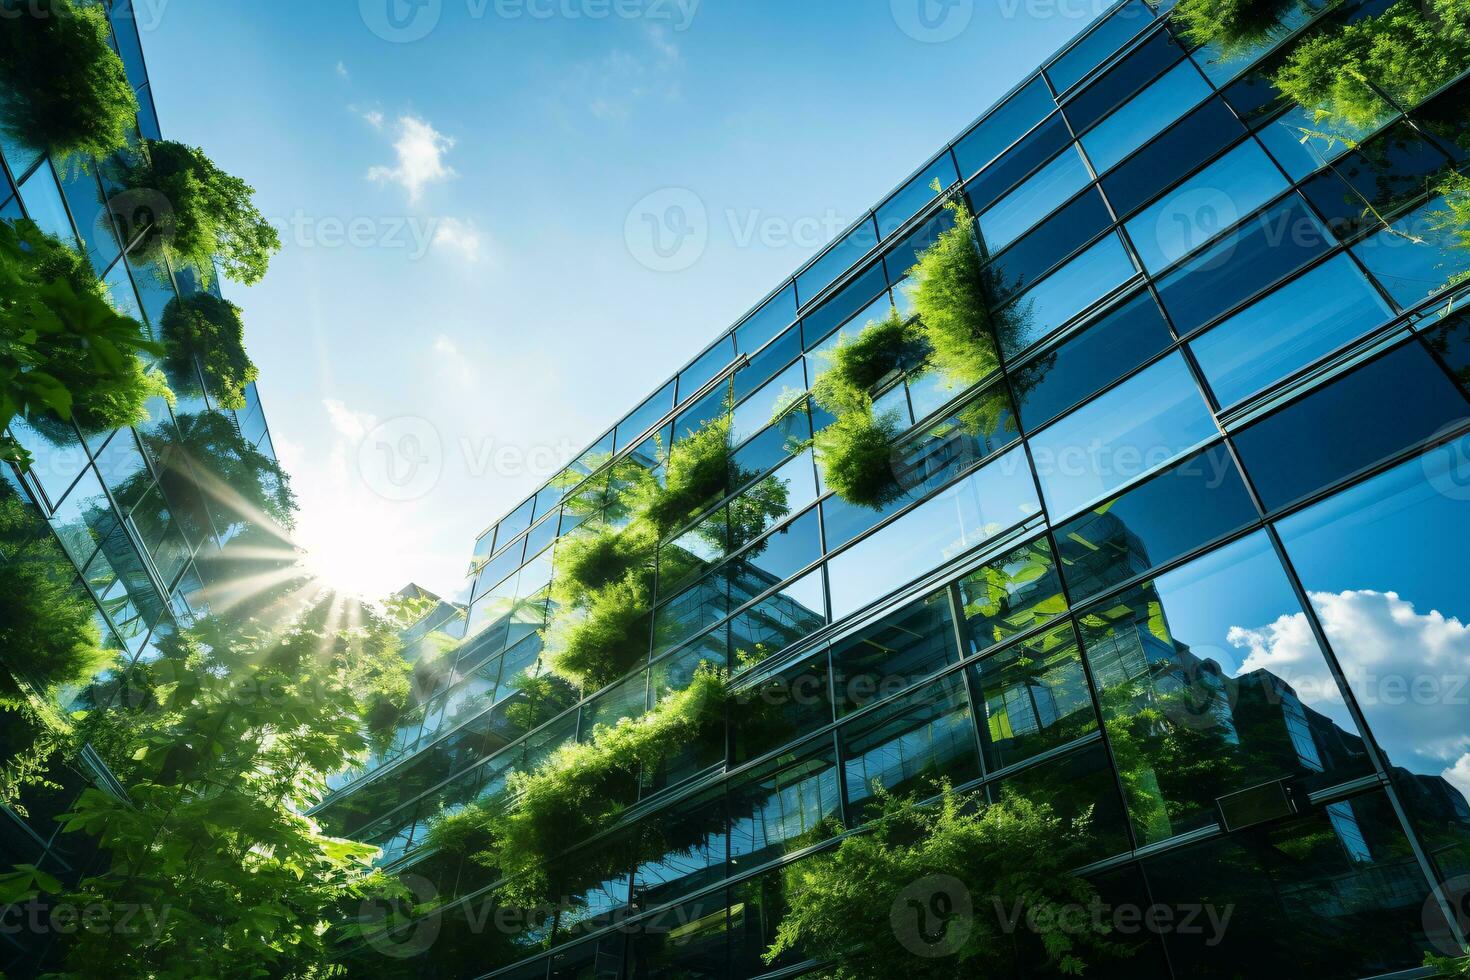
{"x": 914, "y": 196}
{"x": 768, "y": 363}
{"x": 1002, "y": 127}
{"x": 779, "y": 708}
{"x": 1142, "y": 65}
{"x": 1193, "y": 709}
{"x": 836, "y": 260}
{"x": 851, "y": 300}
{"x": 905, "y": 255}
{"x": 1190, "y": 142}
{"x": 909, "y": 746}
{"x": 1334, "y": 893}
{"x": 757, "y": 907}
{"x": 1201, "y": 499}
{"x": 685, "y": 848}
{"x": 772, "y": 318}
{"x": 645, "y": 416}
{"x": 1011, "y": 594}
{"x": 1107, "y": 37}
{"x": 1090, "y": 360}
{"x": 784, "y": 552}
{"x": 889, "y": 656}
{"x": 1018, "y": 162}
{"x": 1374, "y": 180}
{"x": 1072, "y": 785}
{"x": 791, "y": 802}
{"x": 1451, "y": 341}
{"x": 687, "y": 941}
{"x": 706, "y": 368}
{"x": 1034, "y": 696}
{"x": 1360, "y": 418}
{"x": 780, "y": 619}
{"x": 1043, "y": 248}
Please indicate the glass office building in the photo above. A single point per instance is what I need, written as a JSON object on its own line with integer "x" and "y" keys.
{"x": 114, "y": 520}
{"x": 1196, "y": 574}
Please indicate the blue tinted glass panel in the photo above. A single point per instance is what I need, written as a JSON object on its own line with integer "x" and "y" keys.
{"x": 1096, "y": 48}
{"x": 836, "y": 260}
{"x": 1211, "y": 202}
{"x": 1190, "y": 142}
{"x": 1362, "y": 417}
{"x": 88, "y": 208}
{"x": 1058, "y": 237}
{"x": 1267, "y": 250}
{"x": 1167, "y": 516}
{"x": 995, "y": 498}
{"x": 706, "y": 369}
{"x": 1299, "y": 155}
{"x": 1064, "y": 294}
{"x": 1040, "y": 195}
{"x": 1378, "y": 178}
{"x": 1040, "y": 145}
{"x": 757, "y": 411}
{"x": 1289, "y": 329}
{"x": 778, "y": 313}
{"x": 1149, "y": 113}
{"x": 1416, "y": 255}
{"x": 771, "y": 360}
{"x": 914, "y": 196}
{"x": 1004, "y": 126}
{"x": 853, "y": 299}
{"x": 1152, "y": 418}
{"x": 1084, "y": 364}
{"x": 893, "y": 654}
{"x": 1142, "y": 65}
{"x": 517, "y": 521}
{"x": 905, "y": 255}
{"x": 42, "y": 199}
{"x": 645, "y": 416}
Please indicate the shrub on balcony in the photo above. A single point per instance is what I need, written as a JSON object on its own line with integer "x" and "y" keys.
{"x": 696, "y": 474}
{"x": 64, "y": 349}
{"x": 1408, "y": 52}
{"x": 893, "y": 901}
{"x": 856, "y": 455}
{"x": 574, "y": 795}
{"x": 950, "y": 292}
{"x": 210, "y": 329}
{"x": 210, "y": 215}
{"x": 68, "y": 90}
{"x": 1448, "y": 966}
{"x": 1234, "y": 26}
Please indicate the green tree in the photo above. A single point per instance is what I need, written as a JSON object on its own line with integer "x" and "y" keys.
{"x": 1448, "y": 966}
{"x": 1234, "y": 26}
{"x": 211, "y": 215}
{"x": 69, "y": 92}
{"x": 960, "y": 889}
{"x": 64, "y": 349}
{"x": 210, "y": 329}
{"x": 241, "y": 724}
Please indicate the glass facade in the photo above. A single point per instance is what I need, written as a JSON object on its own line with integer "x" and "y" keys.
{"x": 1194, "y": 575}
{"x": 115, "y": 522}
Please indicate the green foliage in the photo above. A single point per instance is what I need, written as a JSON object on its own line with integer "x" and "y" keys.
{"x": 210, "y": 216}
{"x": 696, "y": 474}
{"x": 856, "y": 364}
{"x": 210, "y": 329}
{"x": 1455, "y": 218}
{"x": 48, "y": 628}
{"x": 36, "y": 741}
{"x": 228, "y": 742}
{"x": 70, "y": 91}
{"x": 1013, "y": 859}
{"x": 949, "y": 291}
{"x": 242, "y": 484}
{"x": 1234, "y": 26}
{"x": 1406, "y": 52}
{"x": 572, "y": 796}
{"x": 856, "y": 454}
{"x": 596, "y": 642}
{"x": 1448, "y": 966}
{"x": 63, "y": 348}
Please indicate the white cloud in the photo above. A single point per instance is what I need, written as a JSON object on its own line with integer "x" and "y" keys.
{"x": 1409, "y": 670}
{"x": 460, "y": 237}
{"x": 420, "y": 149}
{"x": 345, "y": 422}
{"x": 614, "y": 85}
{"x": 342, "y": 71}
{"x": 454, "y": 361}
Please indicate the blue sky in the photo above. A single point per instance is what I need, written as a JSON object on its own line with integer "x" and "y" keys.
{"x": 462, "y": 286}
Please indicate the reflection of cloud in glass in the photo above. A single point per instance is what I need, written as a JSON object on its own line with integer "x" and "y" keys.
{"x": 1409, "y": 670}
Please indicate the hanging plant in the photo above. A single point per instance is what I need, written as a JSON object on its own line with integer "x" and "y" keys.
{"x": 574, "y": 795}
{"x": 1407, "y": 52}
{"x": 696, "y": 474}
{"x": 1234, "y": 26}
{"x": 948, "y": 287}
{"x": 69, "y": 92}
{"x": 1455, "y": 217}
{"x": 64, "y": 350}
{"x": 856, "y": 456}
{"x": 1012, "y": 860}
{"x": 206, "y": 214}
{"x": 209, "y": 328}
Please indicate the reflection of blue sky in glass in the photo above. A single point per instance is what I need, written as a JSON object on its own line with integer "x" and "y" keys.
{"x": 1383, "y": 572}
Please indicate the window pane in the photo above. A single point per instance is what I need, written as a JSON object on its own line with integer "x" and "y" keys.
{"x": 42, "y": 199}
{"x": 1004, "y": 126}
{"x": 781, "y": 619}
{"x": 1098, "y": 46}
{"x": 1043, "y": 143}
{"x": 1019, "y": 210}
{"x": 993, "y": 499}
{"x": 705, "y": 369}
{"x": 685, "y": 941}
{"x": 1360, "y": 418}
{"x": 645, "y": 415}
{"x": 1010, "y": 595}
{"x": 1075, "y": 785}
{"x": 1142, "y": 424}
{"x": 915, "y": 195}
{"x": 909, "y": 746}
{"x": 1064, "y": 294}
{"x": 889, "y": 656}
{"x": 779, "y": 708}
{"x": 787, "y": 804}
{"x": 1053, "y": 241}
{"x": 1384, "y": 570}
{"x": 1201, "y": 499}
{"x": 1211, "y": 202}
{"x": 837, "y": 260}
{"x": 1193, "y": 140}
{"x": 1147, "y": 114}
{"x": 1035, "y": 698}
{"x": 1192, "y": 711}
{"x": 1288, "y": 330}
{"x": 1416, "y": 255}
{"x": 1085, "y": 363}
{"x": 1142, "y": 66}
{"x": 776, "y": 315}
